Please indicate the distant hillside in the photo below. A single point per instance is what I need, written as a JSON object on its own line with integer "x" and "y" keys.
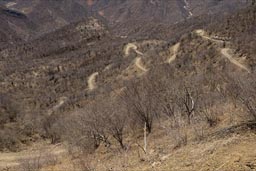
{"x": 123, "y": 16}
{"x": 48, "y": 15}
{"x": 15, "y": 27}
{"x": 127, "y": 16}
{"x": 241, "y": 29}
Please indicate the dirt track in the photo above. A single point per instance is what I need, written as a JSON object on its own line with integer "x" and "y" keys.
{"x": 224, "y": 51}
{"x": 140, "y": 65}
{"x": 204, "y": 35}
{"x": 130, "y": 46}
{"x": 92, "y": 81}
{"x": 174, "y": 49}
{"x": 138, "y": 61}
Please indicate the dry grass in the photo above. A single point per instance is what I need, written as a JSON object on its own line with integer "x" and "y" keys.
{"x": 224, "y": 147}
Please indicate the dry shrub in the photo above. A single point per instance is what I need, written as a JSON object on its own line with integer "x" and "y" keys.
{"x": 37, "y": 162}
{"x": 9, "y": 140}
{"x": 178, "y": 131}
{"x": 243, "y": 89}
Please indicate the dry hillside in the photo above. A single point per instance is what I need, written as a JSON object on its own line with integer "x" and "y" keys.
{"x": 159, "y": 97}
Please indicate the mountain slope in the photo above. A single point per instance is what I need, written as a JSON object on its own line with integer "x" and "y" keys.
{"x": 123, "y": 16}
{"x": 83, "y": 82}
{"x": 15, "y": 27}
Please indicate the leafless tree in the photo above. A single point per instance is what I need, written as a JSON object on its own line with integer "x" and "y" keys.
{"x": 116, "y": 120}
{"x": 187, "y": 102}
{"x": 140, "y": 98}
{"x": 207, "y": 107}
{"x": 87, "y": 128}
{"x": 243, "y": 89}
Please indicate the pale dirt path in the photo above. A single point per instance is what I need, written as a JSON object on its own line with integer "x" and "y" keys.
{"x": 225, "y": 52}
{"x": 61, "y": 102}
{"x": 130, "y": 46}
{"x": 140, "y": 65}
{"x": 174, "y": 49}
{"x": 14, "y": 159}
{"x": 138, "y": 60}
{"x": 204, "y": 35}
{"x": 10, "y": 4}
{"x": 92, "y": 81}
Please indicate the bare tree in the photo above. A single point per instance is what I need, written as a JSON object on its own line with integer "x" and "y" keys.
{"x": 187, "y": 102}
{"x": 167, "y": 102}
{"x": 140, "y": 99}
{"x": 116, "y": 120}
{"x": 243, "y": 89}
{"x": 87, "y": 128}
{"x": 206, "y": 109}
{"x": 50, "y": 131}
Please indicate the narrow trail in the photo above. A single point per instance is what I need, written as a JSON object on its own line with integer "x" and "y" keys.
{"x": 10, "y": 4}
{"x": 130, "y": 46}
{"x": 224, "y": 51}
{"x": 138, "y": 60}
{"x": 61, "y": 102}
{"x": 57, "y": 106}
{"x": 204, "y": 35}
{"x": 174, "y": 49}
{"x": 92, "y": 81}
{"x": 140, "y": 65}
{"x": 41, "y": 155}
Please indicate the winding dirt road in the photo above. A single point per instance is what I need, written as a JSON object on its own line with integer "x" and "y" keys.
{"x": 92, "y": 81}
{"x": 139, "y": 64}
{"x": 57, "y": 106}
{"x": 138, "y": 60}
{"x": 204, "y": 35}
{"x": 174, "y": 49}
{"x": 224, "y": 51}
{"x": 132, "y": 46}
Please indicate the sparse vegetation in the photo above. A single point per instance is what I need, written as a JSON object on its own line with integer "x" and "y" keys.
{"x": 131, "y": 118}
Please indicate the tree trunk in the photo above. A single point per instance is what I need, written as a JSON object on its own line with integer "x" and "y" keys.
{"x": 145, "y": 137}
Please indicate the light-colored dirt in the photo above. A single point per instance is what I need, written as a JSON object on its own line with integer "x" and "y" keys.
{"x": 92, "y": 81}
{"x": 57, "y": 106}
{"x": 42, "y": 153}
{"x": 204, "y": 35}
{"x": 224, "y": 51}
{"x": 174, "y": 50}
{"x": 10, "y": 4}
{"x": 138, "y": 61}
{"x": 132, "y": 46}
{"x": 227, "y": 54}
{"x": 139, "y": 64}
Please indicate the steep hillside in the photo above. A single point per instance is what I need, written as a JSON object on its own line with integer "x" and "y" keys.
{"x": 48, "y": 15}
{"x": 15, "y": 27}
{"x": 241, "y": 29}
{"x": 154, "y": 98}
{"x": 50, "y": 75}
{"x": 124, "y": 17}
{"x": 129, "y": 16}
